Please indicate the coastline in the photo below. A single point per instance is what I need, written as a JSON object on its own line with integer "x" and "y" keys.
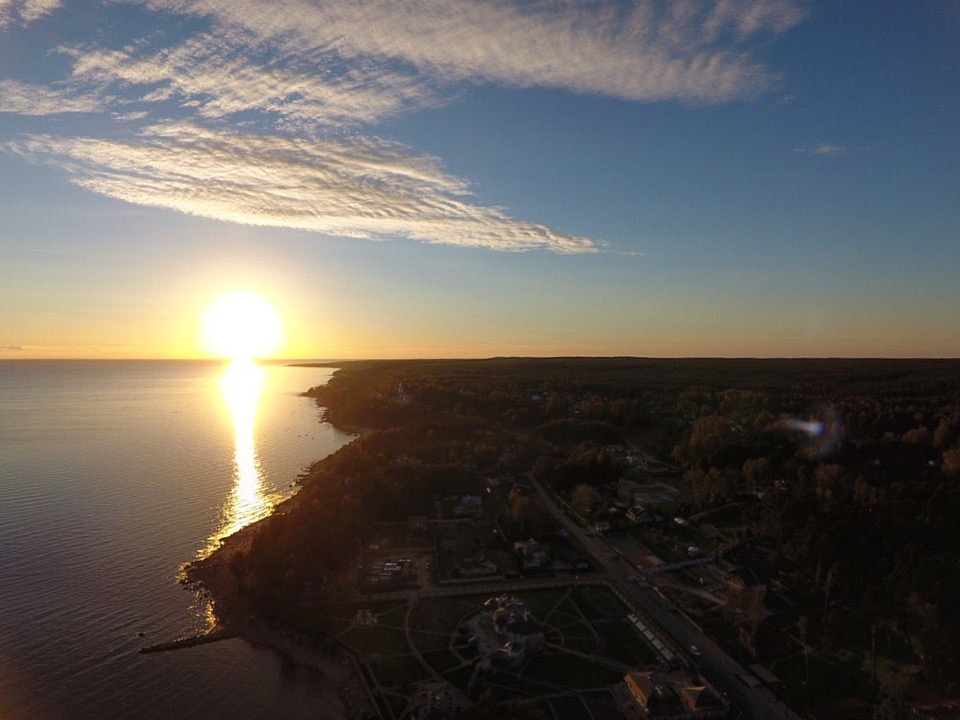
{"x": 352, "y": 429}
{"x": 346, "y": 695}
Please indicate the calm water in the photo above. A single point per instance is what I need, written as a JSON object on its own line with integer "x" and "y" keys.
{"x": 113, "y": 474}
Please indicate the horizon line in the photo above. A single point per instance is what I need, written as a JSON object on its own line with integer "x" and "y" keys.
{"x": 292, "y": 360}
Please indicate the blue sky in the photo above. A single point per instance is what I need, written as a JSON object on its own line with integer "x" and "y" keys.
{"x": 463, "y": 179}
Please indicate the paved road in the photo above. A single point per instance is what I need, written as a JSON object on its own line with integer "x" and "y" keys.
{"x": 714, "y": 662}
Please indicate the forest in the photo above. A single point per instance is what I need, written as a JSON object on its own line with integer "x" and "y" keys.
{"x": 846, "y": 473}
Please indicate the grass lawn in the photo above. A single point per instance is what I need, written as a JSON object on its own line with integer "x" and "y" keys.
{"x": 590, "y": 619}
{"x": 376, "y": 639}
{"x": 439, "y": 615}
{"x": 596, "y": 601}
{"x": 570, "y": 708}
{"x": 394, "y": 615}
{"x": 562, "y": 614}
{"x": 397, "y": 671}
{"x": 622, "y": 642}
{"x": 460, "y": 676}
{"x": 601, "y": 704}
{"x": 580, "y": 643}
{"x": 571, "y": 671}
{"x": 507, "y": 687}
{"x": 442, "y": 660}
{"x": 427, "y": 641}
{"x": 542, "y": 602}
{"x": 571, "y": 625}
{"x": 397, "y": 703}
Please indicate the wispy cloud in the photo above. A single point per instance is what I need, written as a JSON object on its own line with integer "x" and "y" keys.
{"x": 291, "y": 73}
{"x": 359, "y": 186}
{"x": 304, "y": 65}
{"x": 34, "y": 100}
{"x": 217, "y": 76}
{"x": 23, "y": 12}
{"x": 828, "y": 149}
{"x": 689, "y": 50}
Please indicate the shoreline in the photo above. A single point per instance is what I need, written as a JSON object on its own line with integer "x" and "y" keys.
{"x": 345, "y": 695}
{"x": 351, "y": 429}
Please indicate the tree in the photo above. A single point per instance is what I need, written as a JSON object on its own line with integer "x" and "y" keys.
{"x": 756, "y": 471}
{"x": 828, "y": 583}
{"x": 527, "y": 515}
{"x": 875, "y": 608}
{"x": 237, "y": 565}
{"x": 694, "y": 488}
{"x": 892, "y": 698}
{"x": 803, "y": 627}
{"x": 708, "y": 435}
{"x": 951, "y": 462}
{"x": 918, "y": 436}
{"x": 828, "y": 479}
{"x": 581, "y": 499}
{"x": 763, "y": 420}
{"x": 943, "y": 435}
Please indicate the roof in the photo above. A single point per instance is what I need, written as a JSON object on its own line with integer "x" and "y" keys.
{"x": 699, "y": 698}
{"x": 640, "y": 685}
{"x": 523, "y": 626}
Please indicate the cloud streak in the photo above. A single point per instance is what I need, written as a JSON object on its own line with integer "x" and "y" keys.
{"x": 36, "y": 100}
{"x": 648, "y": 50}
{"x": 218, "y": 76}
{"x": 305, "y": 65}
{"x": 361, "y": 187}
{"x": 829, "y": 149}
{"x": 304, "y": 79}
{"x": 24, "y": 12}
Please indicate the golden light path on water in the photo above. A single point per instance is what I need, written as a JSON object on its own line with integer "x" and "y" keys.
{"x": 241, "y": 387}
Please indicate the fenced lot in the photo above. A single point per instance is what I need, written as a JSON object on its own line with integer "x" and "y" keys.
{"x": 588, "y": 645}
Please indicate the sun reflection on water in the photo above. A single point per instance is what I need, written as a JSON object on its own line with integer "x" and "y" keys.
{"x": 242, "y": 386}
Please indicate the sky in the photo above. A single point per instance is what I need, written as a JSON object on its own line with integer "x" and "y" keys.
{"x": 475, "y": 178}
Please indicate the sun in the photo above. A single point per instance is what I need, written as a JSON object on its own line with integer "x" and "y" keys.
{"x": 241, "y": 325}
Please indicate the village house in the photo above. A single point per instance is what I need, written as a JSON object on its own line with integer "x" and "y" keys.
{"x": 532, "y": 555}
{"x": 673, "y": 695}
{"x": 520, "y": 633}
{"x": 469, "y": 506}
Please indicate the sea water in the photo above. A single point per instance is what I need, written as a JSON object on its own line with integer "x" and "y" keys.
{"x": 112, "y": 475}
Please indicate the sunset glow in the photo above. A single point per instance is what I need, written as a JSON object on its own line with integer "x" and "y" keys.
{"x": 241, "y": 325}
{"x": 666, "y": 178}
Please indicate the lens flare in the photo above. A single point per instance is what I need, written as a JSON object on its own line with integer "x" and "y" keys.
{"x": 811, "y": 428}
{"x": 823, "y": 432}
